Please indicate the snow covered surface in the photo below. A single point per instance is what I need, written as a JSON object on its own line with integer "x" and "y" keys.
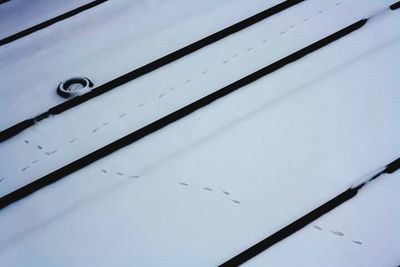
{"x": 103, "y": 43}
{"x": 18, "y": 15}
{"x": 32, "y": 154}
{"x": 361, "y": 232}
{"x": 203, "y": 189}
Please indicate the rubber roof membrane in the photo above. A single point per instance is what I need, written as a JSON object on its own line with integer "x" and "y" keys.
{"x": 216, "y": 134}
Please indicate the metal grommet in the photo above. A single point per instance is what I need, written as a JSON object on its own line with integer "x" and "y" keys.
{"x": 74, "y": 86}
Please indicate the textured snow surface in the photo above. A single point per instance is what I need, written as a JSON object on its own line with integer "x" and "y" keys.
{"x": 362, "y": 232}
{"x": 205, "y": 188}
{"x": 103, "y": 43}
{"x": 155, "y": 95}
{"x": 18, "y": 15}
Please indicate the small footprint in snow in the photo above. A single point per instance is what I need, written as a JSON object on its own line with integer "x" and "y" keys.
{"x": 338, "y": 233}
{"x": 50, "y": 153}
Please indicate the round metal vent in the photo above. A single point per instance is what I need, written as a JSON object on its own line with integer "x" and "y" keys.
{"x": 74, "y": 86}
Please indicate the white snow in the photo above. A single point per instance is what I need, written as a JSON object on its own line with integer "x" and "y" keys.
{"x": 103, "y": 43}
{"x": 18, "y": 15}
{"x": 111, "y": 116}
{"x": 205, "y": 188}
{"x": 369, "y": 224}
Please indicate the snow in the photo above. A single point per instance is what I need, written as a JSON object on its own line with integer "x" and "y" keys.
{"x": 18, "y": 15}
{"x": 138, "y": 103}
{"x": 132, "y": 34}
{"x": 369, "y": 223}
{"x": 205, "y": 188}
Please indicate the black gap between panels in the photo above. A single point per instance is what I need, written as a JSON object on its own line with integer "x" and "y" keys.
{"x": 19, "y": 127}
{"x": 49, "y": 22}
{"x": 170, "y": 118}
{"x": 303, "y": 221}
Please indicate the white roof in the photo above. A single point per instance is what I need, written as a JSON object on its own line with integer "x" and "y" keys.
{"x": 210, "y": 185}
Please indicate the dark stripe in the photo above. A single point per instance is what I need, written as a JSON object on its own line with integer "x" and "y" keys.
{"x": 392, "y": 167}
{"x": 3, "y": 1}
{"x": 13, "y": 130}
{"x": 290, "y": 229}
{"x": 305, "y": 220}
{"x": 49, "y": 22}
{"x": 395, "y": 6}
{"x": 172, "y": 117}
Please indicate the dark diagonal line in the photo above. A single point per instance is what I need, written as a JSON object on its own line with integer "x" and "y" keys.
{"x": 17, "y": 128}
{"x": 170, "y": 118}
{"x": 49, "y": 22}
{"x": 305, "y": 220}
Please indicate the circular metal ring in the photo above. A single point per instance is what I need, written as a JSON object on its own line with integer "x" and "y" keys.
{"x": 74, "y": 86}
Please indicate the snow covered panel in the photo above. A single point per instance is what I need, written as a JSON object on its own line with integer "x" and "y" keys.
{"x": 18, "y": 15}
{"x": 152, "y": 96}
{"x": 203, "y": 189}
{"x": 132, "y": 34}
{"x": 210, "y": 185}
{"x": 361, "y": 232}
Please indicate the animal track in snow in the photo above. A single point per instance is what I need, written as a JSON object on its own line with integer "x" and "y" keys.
{"x": 337, "y": 233}
{"x": 206, "y": 188}
{"x": 187, "y": 81}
